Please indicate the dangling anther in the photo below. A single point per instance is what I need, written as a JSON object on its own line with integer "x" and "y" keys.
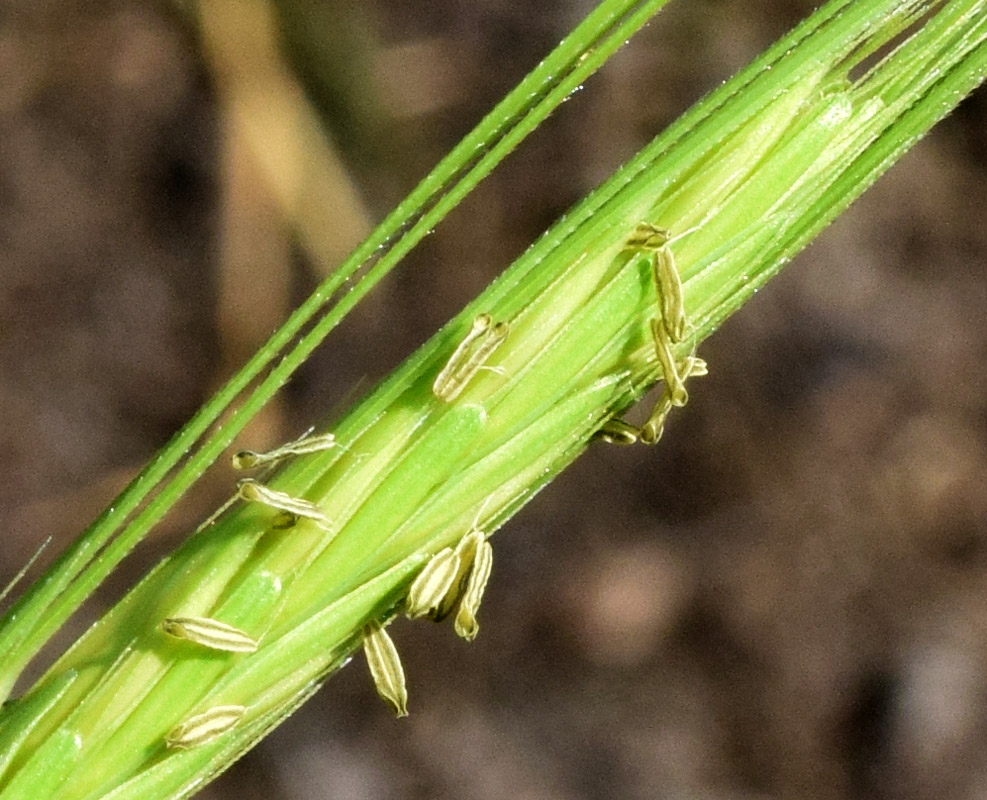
{"x": 466, "y": 625}
{"x": 664, "y": 273}
{"x": 616, "y": 431}
{"x": 385, "y": 668}
{"x": 668, "y": 284}
{"x": 432, "y": 585}
{"x": 653, "y": 428}
{"x": 250, "y": 459}
{"x": 255, "y": 492}
{"x": 674, "y": 383}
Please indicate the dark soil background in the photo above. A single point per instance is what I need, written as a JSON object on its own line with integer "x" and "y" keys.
{"x": 786, "y": 599}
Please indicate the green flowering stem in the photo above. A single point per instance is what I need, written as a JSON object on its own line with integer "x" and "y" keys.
{"x": 45, "y": 607}
{"x": 743, "y": 181}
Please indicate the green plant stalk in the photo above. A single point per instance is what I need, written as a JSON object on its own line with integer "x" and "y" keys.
{"x": 745, "y": 179}
{"x": 45, "y": 607}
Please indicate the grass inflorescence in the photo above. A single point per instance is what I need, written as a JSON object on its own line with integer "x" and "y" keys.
{"x": 231, "y": 632}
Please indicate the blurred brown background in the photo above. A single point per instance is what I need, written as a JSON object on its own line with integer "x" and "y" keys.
{"x": 786, "y": 599}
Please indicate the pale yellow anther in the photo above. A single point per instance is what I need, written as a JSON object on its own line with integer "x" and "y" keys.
{"x": 466, "y": 625}
{"x": 254, "y": 492}
{"x": 668, "y": 284}
{"x": 693, "y": 367}
{"x": 385, "y": 668}
{"x": 454, "y": 580}
{"x": 652, "y": 430}
{"x": 250, "y": 459}
{"x": 209, "y": 633}
{"x": 647, "y": 237}
{"x": 469, "y": 357}
{"x": 432, "y": 585}
{"x": 203, "y": 728}
{"x": 674, "y": 382}
{"x": 668, "y": 329}
{"x": 466, "y": 551}
{"x": 616, "y": 431}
